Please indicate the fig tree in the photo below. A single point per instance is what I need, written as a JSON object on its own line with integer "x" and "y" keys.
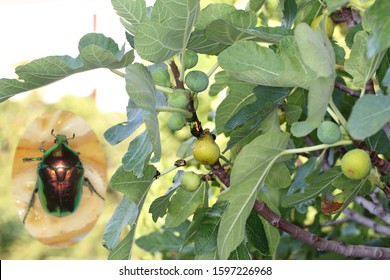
{"x": 356, "y": 164}
{"x": 328, "y": 132}
{"x": 197, "y": 81}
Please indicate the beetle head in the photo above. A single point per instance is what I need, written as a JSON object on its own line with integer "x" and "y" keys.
{"x": 61, "y": 139}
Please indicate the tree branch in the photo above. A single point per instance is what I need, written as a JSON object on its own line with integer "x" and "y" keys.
{"x": 346, "y": 89}
{"x": 176, "y": 74}
{"x": 382, "y": 164}
{"x": 376, "y": 209}
{"x": 322, "y": 244}
{"x": 357, "y": 217}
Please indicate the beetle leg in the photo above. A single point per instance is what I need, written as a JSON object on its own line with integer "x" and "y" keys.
{"x": 33, "y": 159}
{"x": 88, "y": 183}
{"x": 31, "y": 203}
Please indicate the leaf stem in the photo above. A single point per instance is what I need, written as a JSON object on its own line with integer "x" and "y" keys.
{"x": 223, "y": 186}
{"x": 164, "y": 89}
{"x": 173, "y": 167}
{"x": 315, "y": 148}
{"x": 225, "y": 159}
{"x": 182, "y": 69}
{"x": 172, "y": 110}
{"x": 338, "y": 114}
{"x": 212, "y": 69}
{"x": 119, "y": 73}
{"x": 160, "y": 88}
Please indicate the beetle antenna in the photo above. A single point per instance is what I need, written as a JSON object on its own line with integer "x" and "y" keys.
{"x": 74, "y": 135}
{"x": 52, "y": 132}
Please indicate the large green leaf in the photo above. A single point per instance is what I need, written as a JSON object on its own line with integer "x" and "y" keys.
{"x": 278, "y": 177}
{"x": 121, "y": 131}
{"x": 383, "y": 72}
{"x": 310, "y": 168}
{"x": 126, "y": 213}
{"x": 319, "y": 94}
{"x": 249, "y": 62}
{"x": 359, "y": 65}
{"x": 183, "y": 204}
{"x": 248, "y": 175}
{"x": 141, "y": 89}
{"x": 255, "y": 5}
{"x": 317, "y": 186}
{"x": 351, "y": 189}
{"x": 96, "y": 51}
{"x": 289, "y": 12}
{"x": 316, "y": 50}
{"x": 159, "y": 206}
{"x": 194, "y": 226}
{"x": 168, "y": 31}
{"x": 368, "y": 116}
{"x": 207, "y": 26}
{"x": 138, "y": 154}
{"x": 135, "y": 191}
{"x": 221, "y": 80}
{"x": 267, "y": 99}
{"x": 256, "y": 234}
{"x": 377, "y": 16}
{"x": 225, "y": 33}
{"x": 240, "y": 95}
{"x": 306, "y": 60}
{"x": 240, "y": 253}
{"x": 272, "y": 234}
{"x": 228, "y": 13}
{"x": 132, "y": 13}
{"x": 199, "y": 43}
{"x": 206, "y": 236}
{"x": 166, "y": 239}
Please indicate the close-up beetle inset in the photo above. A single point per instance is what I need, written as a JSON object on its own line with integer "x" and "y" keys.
{"x": 60, "y": 178}
{"x": 59, "y": 184}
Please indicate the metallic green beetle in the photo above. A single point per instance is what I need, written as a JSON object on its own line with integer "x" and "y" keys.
{"x": 60, "y": 178}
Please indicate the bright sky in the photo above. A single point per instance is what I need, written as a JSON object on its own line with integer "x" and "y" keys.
{"x": 32, "y": 29}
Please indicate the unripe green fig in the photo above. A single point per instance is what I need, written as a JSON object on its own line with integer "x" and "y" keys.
{"x": 190, "y": 59}
{"x": 176, "y": 121}
{"x": 178, "y": 99}
{"x": 161, "y": 77}
{"x": 197, "y": 81}
{"x": 205, "y": 150}
{"x": 356, "y": 164}
{"x": 190, "y": 181}
{"x": 328, "y": 132}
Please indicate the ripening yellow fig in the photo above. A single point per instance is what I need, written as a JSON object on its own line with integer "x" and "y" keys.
{"x": 205, "y": 150}
{"x": 356, "y": 164}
